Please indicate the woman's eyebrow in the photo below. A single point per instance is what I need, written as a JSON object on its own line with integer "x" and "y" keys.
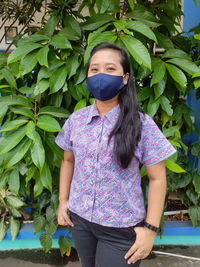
{"x": 109, "y": 63}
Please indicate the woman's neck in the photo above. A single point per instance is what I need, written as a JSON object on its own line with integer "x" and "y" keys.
{"x": 105, "y": 106}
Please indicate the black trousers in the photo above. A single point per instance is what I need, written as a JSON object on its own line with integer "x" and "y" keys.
{"x": 102, "y": 246}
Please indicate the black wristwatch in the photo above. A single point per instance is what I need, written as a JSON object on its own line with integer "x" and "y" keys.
{"x": 152, "y": 227}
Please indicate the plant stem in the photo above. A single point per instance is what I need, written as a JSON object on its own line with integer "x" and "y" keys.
{"x": 35, "y": 112}
{"x": 194, "y": 163}
{"x": 123, "y": 10}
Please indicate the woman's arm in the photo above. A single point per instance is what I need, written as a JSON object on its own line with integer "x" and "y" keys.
{"x": 66, "y": 174}
{"x": 156, "y": 192}
{"x": 156, "y": 197}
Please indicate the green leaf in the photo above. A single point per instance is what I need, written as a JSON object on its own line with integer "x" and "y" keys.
{"x": 41, "y": 87}
{"x": 196, "y": 181}
{"x": 50, "y": 141}
{"x": 46, "y": 177}
{"x": 23, "y": 111}
{"x": 81, "y": 104}
{"x": 50, "y": 26}
{"x": 14, "y": 182}
{"x": 3, "y": 111}
{"x": 197, "y": 83}
{"x": 93, "y": 35}
{"x": 97, "y": 21}
{"x": 23, "y": 147}
{"x": 120, "y": 25}
{"x": 144, "y": 93}
{"x": 107, "y": 36}
{"x": 159, "y": 88}
{"x": 152, "y": 106}
{"x": 48, "y": 124}
{"x": 13, "y": 100}
{"x": 172, "y": 166}
{"x": 28, "y": 62}
{"x": 14, "y": 212}
{"x": 58, "y": 79}
{"x": 47, "y": 72}
{"x": 3, "y": 229}
{"x": 80, "y": 75}
{"x": 64, "y": 245}
{"x": 195, "y": 149}
{"x": 177, "y": 74}
{"x": 159, "y": 71}
{"x": 8, "y": 76}
{"x": 31, "y": 172}
{"x": 14, "y": 227}
{"x": 166, "y": 106}
{"x": 11, "y": 125}
{"x": 137, "y": 50}
{"x": 51, "y": 227}
{"x": 194, "y": 213}
{"x": 42, "y": 56}
{"x": 38, "y": 153}
{"x": 21, "y": 51}
{"x": 11, "y": 140}
{"x": 32, "y": 39}
{"x": 171, "y": 131}
{"x": 197, "y": 36}
{"x": 185, "y": 64}
{"x": 145, "y": 16}
{"x": 38, "y": 187}
{"x": 72, "y": 29}
{"x": 142, "y": 28}
{"x": 39, "y": 223}
{"x": 176, "y": 53}
{"x": 174, "y": 143}
{"x": 60, "y": 41}
{"x": 193, "y": 197}
{"x": 102, "y": 6}
{"x": 50, "y": 214}
{"x": 26, "y": 90}
{"x": 54, "y": 111}
{"x": 197, "y": 74}
{"x": 131, "y": 4}
{"x": 46, "y": 241}
{"x": 4, "y": 179}
{"x": 72, "y": 65}
{"x": 14, "y": 202}
{"x": 164, "y": 41}
{"x": 30, "y": 131}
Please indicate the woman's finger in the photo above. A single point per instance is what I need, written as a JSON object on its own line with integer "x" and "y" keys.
{"x": 131, "y": 251}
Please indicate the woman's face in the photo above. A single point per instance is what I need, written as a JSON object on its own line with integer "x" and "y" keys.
{"x": 107, "y": 61}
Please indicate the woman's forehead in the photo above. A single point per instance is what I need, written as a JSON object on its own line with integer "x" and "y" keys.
{"x": 106, "y": 56}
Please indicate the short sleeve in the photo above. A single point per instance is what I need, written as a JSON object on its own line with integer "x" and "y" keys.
{"x": 63, "y": 138}
{"x": 153, "y": 146}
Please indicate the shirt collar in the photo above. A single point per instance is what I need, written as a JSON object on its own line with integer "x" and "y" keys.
{"x": 111, "y": 115}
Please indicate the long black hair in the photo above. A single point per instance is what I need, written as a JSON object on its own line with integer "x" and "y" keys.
{"x": 127, "y": 130}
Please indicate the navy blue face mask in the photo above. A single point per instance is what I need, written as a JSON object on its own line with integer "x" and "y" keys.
{"x": 104, "y": 86}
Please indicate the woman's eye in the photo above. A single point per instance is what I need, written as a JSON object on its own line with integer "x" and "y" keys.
{"x": 94, "y": 70}
{"x": 110, "y": 69}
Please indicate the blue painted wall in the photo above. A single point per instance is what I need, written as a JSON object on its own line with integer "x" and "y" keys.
{"x": 192, "y": 19}
{"x": 191, "y": 15}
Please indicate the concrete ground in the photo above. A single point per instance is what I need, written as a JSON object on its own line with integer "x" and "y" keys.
{"x": 37, "y": 258}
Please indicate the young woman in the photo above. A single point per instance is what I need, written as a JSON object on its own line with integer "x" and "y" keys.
{"x": 100, "y": 181}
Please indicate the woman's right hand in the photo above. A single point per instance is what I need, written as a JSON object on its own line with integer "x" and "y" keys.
{"x": 63, "y": 218}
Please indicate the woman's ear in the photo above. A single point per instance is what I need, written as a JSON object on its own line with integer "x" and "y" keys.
{"x": 125, "y": 78}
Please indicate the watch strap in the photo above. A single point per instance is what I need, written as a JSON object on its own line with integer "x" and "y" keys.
{"x": 152, "y": 227}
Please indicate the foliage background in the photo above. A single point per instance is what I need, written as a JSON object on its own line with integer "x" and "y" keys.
{"x": 43, "y": 81}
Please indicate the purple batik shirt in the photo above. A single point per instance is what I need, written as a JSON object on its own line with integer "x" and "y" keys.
{"x": 101, "y": 191}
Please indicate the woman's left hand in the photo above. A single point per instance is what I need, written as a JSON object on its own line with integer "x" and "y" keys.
{"x": 142, "y": 246}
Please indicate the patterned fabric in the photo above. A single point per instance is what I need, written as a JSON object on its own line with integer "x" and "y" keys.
{"x": 101, "y": 191}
